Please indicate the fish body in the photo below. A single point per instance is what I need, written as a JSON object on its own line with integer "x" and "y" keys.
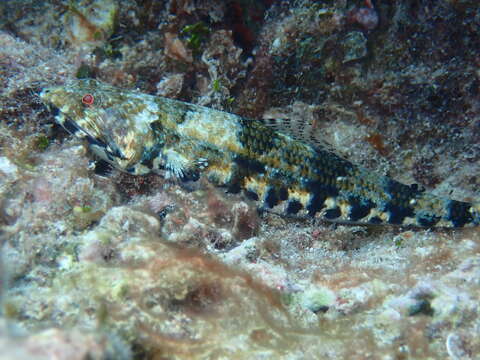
{"x": 140, "y": 134}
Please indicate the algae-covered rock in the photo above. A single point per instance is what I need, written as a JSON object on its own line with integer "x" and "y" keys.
{"x": 90, "y": 22}
{"x": 132, "y": 283}
{"x": 355, "y": 45}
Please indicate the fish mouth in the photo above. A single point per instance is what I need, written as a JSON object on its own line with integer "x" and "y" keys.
{"x": 63, "y": 120}
{"x": 98, "y": 146}
{"x": 73, "y": 128}
{"x": 66, "y": 122}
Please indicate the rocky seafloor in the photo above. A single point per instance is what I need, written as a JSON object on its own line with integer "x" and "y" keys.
{"x": 125, "y": 267}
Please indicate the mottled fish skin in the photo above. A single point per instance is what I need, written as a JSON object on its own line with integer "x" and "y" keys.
{"x": 140, "y": 134}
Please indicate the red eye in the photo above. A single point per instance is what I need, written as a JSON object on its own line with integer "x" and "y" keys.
{"x": 88, "y": 99}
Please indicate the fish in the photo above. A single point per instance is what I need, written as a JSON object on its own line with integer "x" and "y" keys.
{"x": 140, "y": 134}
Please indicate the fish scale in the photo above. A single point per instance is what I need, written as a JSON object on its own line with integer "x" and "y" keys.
{"x": 140, "y": 134}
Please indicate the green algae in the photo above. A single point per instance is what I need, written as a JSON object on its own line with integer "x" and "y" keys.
{"x": 42, "y": 142}
{"x": 195, "y": 35}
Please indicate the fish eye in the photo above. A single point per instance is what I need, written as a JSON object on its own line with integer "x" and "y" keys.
{"x": 88, "y": 99}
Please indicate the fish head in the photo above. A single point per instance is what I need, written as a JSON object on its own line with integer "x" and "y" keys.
{"x": 116, "y": 123}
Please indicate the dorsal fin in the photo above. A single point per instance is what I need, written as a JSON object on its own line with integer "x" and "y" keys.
{"x": 302, "y": 127}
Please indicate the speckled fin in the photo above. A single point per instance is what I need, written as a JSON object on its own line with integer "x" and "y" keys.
{"x": 301, "y": 129}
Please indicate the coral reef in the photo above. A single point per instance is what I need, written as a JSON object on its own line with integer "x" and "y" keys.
{"x": 100, "y": 264}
